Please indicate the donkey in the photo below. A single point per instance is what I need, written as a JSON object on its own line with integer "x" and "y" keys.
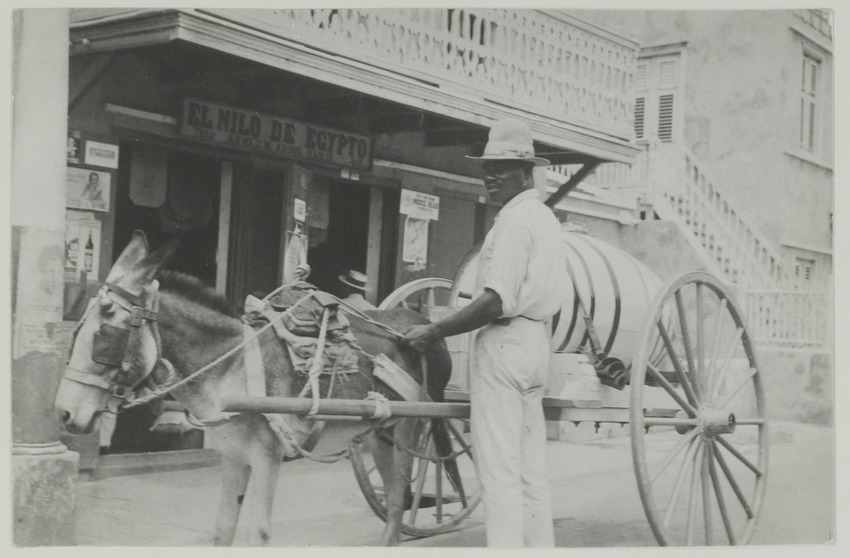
{"x": 148, "y": 327}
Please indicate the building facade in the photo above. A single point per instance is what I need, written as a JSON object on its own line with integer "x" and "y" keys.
{"x": 336, "y": 138}
{"x": 734, "y": 114}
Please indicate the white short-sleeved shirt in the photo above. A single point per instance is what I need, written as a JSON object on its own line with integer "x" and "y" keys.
{"x": 523, "y": 259}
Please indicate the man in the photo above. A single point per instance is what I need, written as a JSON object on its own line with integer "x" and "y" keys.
{"x": 355, "y": 286}
{"x": 520, "y": 281}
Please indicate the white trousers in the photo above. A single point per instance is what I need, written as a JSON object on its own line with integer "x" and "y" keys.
{"x": 509, "y": 432}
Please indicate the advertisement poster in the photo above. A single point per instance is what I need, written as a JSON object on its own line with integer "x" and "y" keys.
{"x": 415, "y": 249}
{"x": 87, "y": 189}
{"x": 420, "y": 205}
{"x": 75, "y": 147}
{"x": 101, "y": 154}
{"x": 39, "y": 292}
{"x": 82, "y": 246}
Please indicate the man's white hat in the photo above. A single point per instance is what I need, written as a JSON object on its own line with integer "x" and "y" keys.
{"x": 355, "y": 279}
{"x": 511, "y": 140}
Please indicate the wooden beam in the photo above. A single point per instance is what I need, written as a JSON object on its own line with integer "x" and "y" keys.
{"x": 574, "y": 181}
{"x": 93, "y": 71}
{"x": 344, "y": 407}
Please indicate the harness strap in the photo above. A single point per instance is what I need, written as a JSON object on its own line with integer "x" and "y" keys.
{"x": 255, "y": 371}
{"x": 86, "y": 378}
{"x": 133, "y": 299}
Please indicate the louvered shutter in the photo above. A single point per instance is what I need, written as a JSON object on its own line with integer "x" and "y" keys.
{"x": 808, "y": 103}
{"x": 655, "y": 84}
{"x": 640, "y": 114}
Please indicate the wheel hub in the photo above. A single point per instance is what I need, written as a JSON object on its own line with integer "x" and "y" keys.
{"x": 713, "y": 421}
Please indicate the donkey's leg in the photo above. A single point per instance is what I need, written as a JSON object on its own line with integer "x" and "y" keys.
{"x": 266, "y": 457}
{"x": 234, "y": 478}
{"x": 396, "y": 480}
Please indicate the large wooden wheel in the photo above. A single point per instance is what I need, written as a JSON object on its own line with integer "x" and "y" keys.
{"x": 439, "y": 498}
{"x": 420, "y": 295}
{"x": 699, "y": 435}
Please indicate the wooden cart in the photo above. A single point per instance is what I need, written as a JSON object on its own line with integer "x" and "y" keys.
{"x": 694, "y": 406}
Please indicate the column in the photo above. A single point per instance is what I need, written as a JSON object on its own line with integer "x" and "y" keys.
{"x": 44, "y": 471}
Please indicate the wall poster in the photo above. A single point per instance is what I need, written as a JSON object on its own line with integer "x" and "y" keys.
{"x": 415, "y": 249}
{"x": 87, "y": 189}
{"x": 82, "y": 246}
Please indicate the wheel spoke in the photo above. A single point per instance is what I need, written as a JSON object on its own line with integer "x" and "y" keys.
{"x": 721, "y": 503}
{"x": 438, "y": 490}
{"x": 692, "y": 501}
{"x": 668, "y": 387}
{"x": 739, "y": 455}
{"x": 461, "y": 491}
{"x": 687, "y": 439}
{"x": 735, "y": 488}
{"x": 744, "y": 381}
{"x": 727, "y": 362}
{"x": 686, "y": 343}
{"x": 674, "y": 358}
{"x": 706, "y": 495}
{"x": 664, "y": 421}
{"x": 680, "y": 481}
{"x": 700, "y": 370}
{"x": 430, "y": 301}
{"x": 715, "y": 346}
{"x": 420, "y": 483}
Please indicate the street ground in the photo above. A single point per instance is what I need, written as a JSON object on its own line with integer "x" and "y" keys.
{"x": 595, "y": 501}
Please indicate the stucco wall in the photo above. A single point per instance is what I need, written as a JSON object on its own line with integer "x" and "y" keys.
{"x": 742, "y": 83}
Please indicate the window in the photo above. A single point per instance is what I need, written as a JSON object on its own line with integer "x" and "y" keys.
{"x": 809, "y": 103}
{"x": 804, "y": 271}
{"x": 656, "y": 86}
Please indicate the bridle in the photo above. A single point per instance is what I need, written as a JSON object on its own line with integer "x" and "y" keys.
{"x": 114, "y": 346}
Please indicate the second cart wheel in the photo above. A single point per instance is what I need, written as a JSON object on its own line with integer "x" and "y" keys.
{"x": 442, "y": 493}
{"x": 420, "y": 295}
{"x": 699, "y": 434}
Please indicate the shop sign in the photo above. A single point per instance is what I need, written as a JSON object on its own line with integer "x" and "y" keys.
{"x": 420, "y": 205}
{"x": 253, "y": 131}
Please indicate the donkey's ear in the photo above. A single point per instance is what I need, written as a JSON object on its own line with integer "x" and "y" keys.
{"x": 135, "y": 252}
{"x": 143, "y": 273}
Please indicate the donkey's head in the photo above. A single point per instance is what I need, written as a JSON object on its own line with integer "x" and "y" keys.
{"x": 116, "y": 342}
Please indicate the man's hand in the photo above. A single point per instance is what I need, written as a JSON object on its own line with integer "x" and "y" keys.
{"x": 420, "y": 337}
{"x": 477, "y": 313}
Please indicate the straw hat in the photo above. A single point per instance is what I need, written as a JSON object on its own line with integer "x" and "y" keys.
{"x": 510, "y": 140}
{"x": 355, "y": 279}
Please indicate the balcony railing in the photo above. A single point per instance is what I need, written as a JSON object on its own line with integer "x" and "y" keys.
{"x": 540, "y": 61}
{"x": 789, "y": 318}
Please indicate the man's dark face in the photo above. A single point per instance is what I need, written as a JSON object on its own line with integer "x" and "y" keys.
{"x": 505, "y": 179}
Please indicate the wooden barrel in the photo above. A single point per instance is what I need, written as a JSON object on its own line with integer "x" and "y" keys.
{"x": 614, "y": 287}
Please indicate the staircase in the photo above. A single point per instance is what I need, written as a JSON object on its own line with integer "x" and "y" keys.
{"x": 681, "y": 190}
{"x": 678, "y": 188}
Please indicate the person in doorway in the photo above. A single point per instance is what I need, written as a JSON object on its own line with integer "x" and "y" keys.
{"x": 521, "y": 275}
{"x": 355, "y": 285}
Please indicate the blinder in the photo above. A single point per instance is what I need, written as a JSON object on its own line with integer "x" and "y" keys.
{"x": 110, "y": 345}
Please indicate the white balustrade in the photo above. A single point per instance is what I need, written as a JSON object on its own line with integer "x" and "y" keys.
{"x": 789, "y": 318}
{"x": 542, "y": 61}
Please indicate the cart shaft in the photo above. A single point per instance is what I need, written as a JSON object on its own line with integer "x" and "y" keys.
{"x": 344, "y": 407}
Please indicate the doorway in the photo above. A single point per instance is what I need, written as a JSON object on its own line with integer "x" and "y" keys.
{"x": 189, "y": 205}
{"x": 344, "y": 243}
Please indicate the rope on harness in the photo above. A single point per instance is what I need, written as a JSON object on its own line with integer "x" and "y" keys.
{"x": 316, "y": 367}
{"x": 160, "y": 392}
{"x": 382, "y": 406}
{"x": 360, "y": 314}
